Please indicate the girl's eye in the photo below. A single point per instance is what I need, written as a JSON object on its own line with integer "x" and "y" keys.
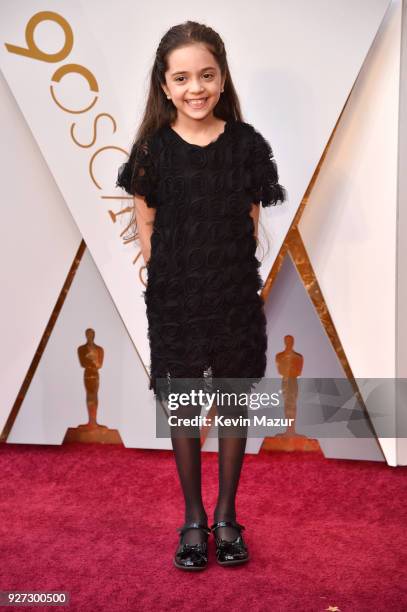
{"x": 208, "y": 74}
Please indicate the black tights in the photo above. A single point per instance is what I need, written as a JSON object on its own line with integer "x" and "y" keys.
{"x": 187, "y": 450}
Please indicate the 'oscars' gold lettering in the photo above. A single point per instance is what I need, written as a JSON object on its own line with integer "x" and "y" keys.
{"x": 74, "y": 68}
{"x": 92, "y": 142}
{"x": 92, "y": 159}
{"x": 32, "y": 50}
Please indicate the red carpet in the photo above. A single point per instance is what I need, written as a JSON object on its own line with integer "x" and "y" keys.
{"x": 100, "y": 522}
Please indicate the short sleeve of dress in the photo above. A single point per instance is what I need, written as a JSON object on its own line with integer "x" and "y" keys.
{"x": 138, "y": 175}
{"x": 263, "y": 173}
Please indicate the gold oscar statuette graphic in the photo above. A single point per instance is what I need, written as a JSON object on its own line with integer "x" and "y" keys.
{"x": 289, "y": 365}
{"x": 91, "y": 359}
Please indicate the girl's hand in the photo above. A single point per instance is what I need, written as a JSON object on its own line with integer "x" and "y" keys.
{"x": 145, "y": 224}
{"x": 254, "y": 213}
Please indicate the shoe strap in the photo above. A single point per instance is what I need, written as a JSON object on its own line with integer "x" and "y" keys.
{"x": 187, "y": 526}
{"x": 234, "y": 524}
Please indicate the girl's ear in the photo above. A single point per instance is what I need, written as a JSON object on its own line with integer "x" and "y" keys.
{"x": 165, "y": 90}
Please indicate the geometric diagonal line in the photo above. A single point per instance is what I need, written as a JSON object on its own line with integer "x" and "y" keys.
{"x": 297, "y": 217}
{"x": 294, "y": 245}
{"x": 42, "y": 343}
{"x": 301, "y": 261}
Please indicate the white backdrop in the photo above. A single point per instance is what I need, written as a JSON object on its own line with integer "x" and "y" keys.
{"x": 293, "y": 64}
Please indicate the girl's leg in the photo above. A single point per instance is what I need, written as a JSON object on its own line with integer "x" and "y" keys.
{"x": 232, "y": 445}
{"x": 187, "y": 450}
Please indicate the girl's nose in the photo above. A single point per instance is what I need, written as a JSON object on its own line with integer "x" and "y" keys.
{"x": 196, "y": 87}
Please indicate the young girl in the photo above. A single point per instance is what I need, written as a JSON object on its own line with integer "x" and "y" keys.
{"x": 198, "y": 174}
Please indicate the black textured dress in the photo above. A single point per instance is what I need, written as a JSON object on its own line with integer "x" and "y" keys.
{"x": 203, "y": 306}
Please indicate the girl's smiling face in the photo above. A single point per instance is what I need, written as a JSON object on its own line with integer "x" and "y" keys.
{"x": 194, "y": 81}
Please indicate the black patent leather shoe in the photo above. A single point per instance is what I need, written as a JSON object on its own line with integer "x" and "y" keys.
{"x": 192, "y": 556}
{"x": 232, "y": 552}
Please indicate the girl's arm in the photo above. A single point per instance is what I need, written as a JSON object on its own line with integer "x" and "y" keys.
{"x": 145, "y": 223}
{"x": 254, "y": 213}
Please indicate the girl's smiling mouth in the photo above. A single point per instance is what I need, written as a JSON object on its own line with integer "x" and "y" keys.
{"x": 196, "y": 102}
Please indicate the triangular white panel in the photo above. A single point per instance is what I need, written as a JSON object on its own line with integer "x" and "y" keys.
{"x": 38, "y": 239}
{"x": 290, "y": 312}
{"x": 56, "y": 398}
{"x": 349, "y": 223}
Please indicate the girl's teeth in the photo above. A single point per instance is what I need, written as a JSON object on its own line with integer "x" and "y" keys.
{"x": 196, "y": 103}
